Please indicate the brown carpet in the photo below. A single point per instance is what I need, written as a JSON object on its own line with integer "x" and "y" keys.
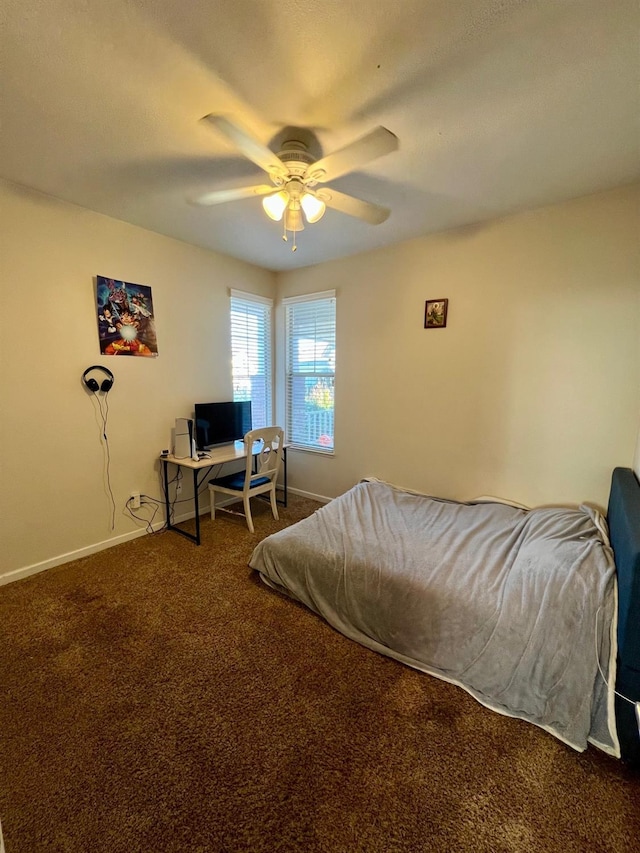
{"x": 158, "y": 697}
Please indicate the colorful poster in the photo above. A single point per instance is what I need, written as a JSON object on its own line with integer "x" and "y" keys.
{"x": 126, "y": 324}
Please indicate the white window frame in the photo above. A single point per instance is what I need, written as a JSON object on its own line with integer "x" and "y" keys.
{"x": 262, "y": 345}
{"x": 293, "y": 435}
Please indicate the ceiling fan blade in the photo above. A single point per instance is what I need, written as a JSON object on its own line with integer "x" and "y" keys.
{"x": 369, "y": 147}
{"x": 253, "y": 149}
{"x": 221, "y": 196}
{"x": 371, "y": 213}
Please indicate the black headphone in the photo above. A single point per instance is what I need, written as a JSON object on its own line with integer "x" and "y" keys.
{"x": 92, "y": 384}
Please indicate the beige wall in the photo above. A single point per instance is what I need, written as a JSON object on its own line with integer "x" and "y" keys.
{"x": 53, "y": 499}
{"x": 532, "y": 392}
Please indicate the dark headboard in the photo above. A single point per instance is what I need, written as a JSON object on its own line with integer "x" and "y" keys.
{"x": 623, "y": 517}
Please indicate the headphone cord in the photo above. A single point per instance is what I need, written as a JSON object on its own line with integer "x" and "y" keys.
{"x": 105, "y": 415}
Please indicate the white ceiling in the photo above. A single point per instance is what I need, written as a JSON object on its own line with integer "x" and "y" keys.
{"x": 499, "y": 105}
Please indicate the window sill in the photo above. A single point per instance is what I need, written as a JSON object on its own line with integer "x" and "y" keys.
{"x": 304, "y": 449}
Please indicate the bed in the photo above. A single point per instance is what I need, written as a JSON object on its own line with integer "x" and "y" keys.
{"x": 534, "y": 612}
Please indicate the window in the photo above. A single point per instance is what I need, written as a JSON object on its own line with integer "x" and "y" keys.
{"x": 251, "y": 354}
{"x": 310, "y": 324}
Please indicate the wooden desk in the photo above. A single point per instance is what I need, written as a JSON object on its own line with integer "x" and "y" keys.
{"x": 216, "y": 456}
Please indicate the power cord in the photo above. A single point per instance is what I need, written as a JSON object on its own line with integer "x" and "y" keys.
{"x": 145, "y": 500}
{"x": 622, "y": 696}
{"x": 157, "y": 503}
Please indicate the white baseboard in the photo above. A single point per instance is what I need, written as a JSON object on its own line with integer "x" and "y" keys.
{"x": 321, "y": 498}
{"x": 18, "y": 574}
{"x": 26, "y": 571}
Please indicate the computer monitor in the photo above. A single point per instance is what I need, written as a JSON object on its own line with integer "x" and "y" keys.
{"x": 221, "y": 423}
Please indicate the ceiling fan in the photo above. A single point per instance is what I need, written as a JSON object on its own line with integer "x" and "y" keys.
{"x": 295, "y": 176}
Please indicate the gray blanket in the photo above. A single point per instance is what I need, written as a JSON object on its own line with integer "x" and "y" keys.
{"x": 509, "y": 604}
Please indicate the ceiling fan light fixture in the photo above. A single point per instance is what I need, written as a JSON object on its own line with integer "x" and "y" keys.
{"x": 293, "y": 220}
{"x": 275, "y": 205}
{"x": 313, "y": 207}
{"x": 294, "y": 174}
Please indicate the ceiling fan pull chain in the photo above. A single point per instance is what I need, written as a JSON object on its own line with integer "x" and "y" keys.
{"x": 284, "y": 228}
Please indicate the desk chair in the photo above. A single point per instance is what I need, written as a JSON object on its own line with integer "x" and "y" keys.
{"x": 260, "y": 474}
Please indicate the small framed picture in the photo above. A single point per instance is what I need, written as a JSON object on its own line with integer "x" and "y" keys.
{"x": 435, "y": 313}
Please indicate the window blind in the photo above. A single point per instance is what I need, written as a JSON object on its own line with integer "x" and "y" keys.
{"x": 310, "y": 330}
{"x": 251, "y": 333}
